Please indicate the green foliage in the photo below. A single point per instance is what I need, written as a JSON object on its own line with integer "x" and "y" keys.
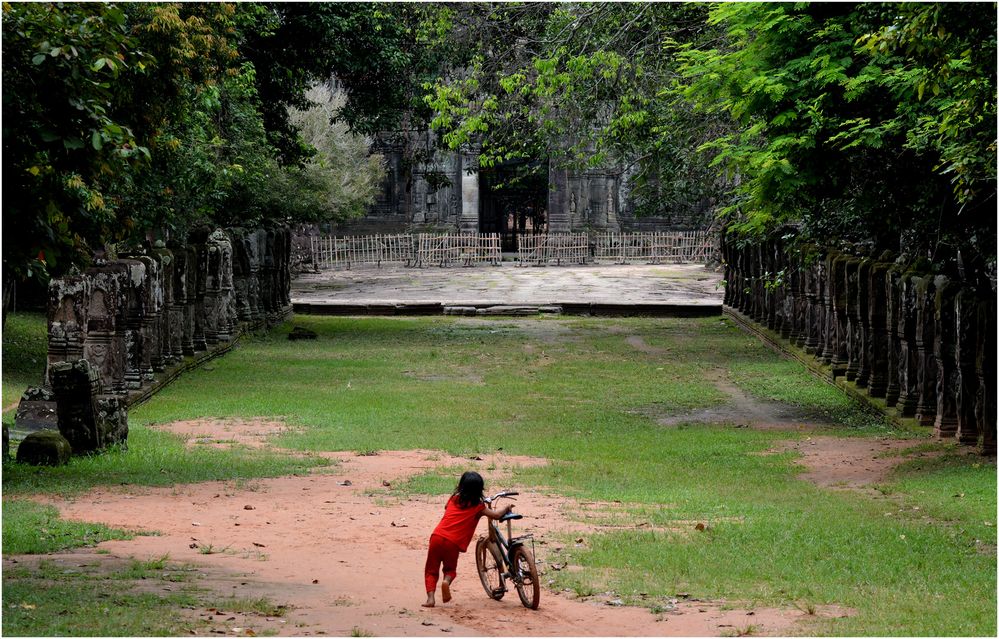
{"x": 868, "y": 123}
{"x": 587, "y": 86}
{"x": 65, "y": 136}
{"x": 125, "y": 121}
{"x": 346, "y": 177}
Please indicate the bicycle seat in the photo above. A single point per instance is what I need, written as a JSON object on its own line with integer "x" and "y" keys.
{"x": 509, "y": 516}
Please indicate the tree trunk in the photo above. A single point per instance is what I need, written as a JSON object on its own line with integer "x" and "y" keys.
{"x": 9, "y": 296}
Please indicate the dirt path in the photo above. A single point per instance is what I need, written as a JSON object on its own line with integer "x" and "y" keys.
{"x": 346, "y": 557}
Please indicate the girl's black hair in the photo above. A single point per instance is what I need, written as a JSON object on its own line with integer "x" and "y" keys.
{"x": 469, "y": 489}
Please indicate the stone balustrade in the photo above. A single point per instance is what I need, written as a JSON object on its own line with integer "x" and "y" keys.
{"x": 922, "y": 344}
{"x": 127, "y": 322}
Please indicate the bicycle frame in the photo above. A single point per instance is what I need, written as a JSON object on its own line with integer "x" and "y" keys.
{"x": 509, "y": 557}
{"x": 508, "y": 543}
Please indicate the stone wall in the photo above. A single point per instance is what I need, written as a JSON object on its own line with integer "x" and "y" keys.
{"x": 122, "y": 324}
{"x": 921, "y": 344}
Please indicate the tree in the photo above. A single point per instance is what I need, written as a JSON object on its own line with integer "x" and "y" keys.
{"x": 345, "y": 174}
{"x": 584, "y": 85}
{"x": 866, "y": 123}
{"x": 64, "y": 66}
{"x": 142, "y": 119}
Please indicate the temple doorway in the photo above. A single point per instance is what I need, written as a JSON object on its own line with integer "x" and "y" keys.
{"x": 513, "y": 200}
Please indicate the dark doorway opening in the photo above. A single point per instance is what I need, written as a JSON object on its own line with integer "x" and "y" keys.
{"x": 513, "y": 200}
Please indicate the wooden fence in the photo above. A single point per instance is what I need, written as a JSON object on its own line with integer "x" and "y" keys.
{"x": 673, "y": 247}
{"x": 344, "y": 252}
{"x": 468, "y": 249}
{"x": 464, "y": 249}
{"x": 424, "y": 249}
{"x": 553, "y": 248}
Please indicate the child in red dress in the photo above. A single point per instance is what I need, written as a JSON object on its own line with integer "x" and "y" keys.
{"x": 452, "y": 535}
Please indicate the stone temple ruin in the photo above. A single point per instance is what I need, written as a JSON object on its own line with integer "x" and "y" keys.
{"x": 449, "y": 192}
{"x": 922, "y": 344}
{"x": 123, "y": 327}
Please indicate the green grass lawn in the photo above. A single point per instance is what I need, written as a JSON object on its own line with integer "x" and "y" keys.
{"x": 908, "y": 559}
{"x": 25, "y": 344}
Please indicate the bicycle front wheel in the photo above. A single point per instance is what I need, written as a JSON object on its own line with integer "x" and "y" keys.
{"x": 525, "y": 577}
{"x": 490, "y": 566}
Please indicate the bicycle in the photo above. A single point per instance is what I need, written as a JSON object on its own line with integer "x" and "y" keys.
{"x": 499, "y": 558}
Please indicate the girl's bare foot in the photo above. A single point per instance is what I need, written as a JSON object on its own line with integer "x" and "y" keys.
{"x": 445, "y": 591}
{"x": 430, "y": 601}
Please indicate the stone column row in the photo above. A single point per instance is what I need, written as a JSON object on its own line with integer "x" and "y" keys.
{"x": 925, "y": 343}
{"x": 132, "y": 317}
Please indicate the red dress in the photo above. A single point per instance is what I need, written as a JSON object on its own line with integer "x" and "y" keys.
{"x": 451, "y": 536}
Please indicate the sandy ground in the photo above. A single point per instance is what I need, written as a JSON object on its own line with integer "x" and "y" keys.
{"x": 345, "y": 554}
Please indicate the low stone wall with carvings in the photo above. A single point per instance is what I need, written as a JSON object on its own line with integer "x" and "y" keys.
{"x": 121, "y": 328}
{"x": 919, "y": 345}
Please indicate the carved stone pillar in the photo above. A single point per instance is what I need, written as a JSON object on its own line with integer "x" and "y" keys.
{"x": 267, "y": 277}
{"x": 854, "y": 346}
{"x": 137, "y": 364}
{"x": 67, "y": 319}
{"x": 259, "y": 240}
{"x": 151, "y": 316}
{"x": 908, "y": 361}
{"x": 199, "y": 273}
{"x": 814, "y": 308}
{"x": 863, "y": 300}
{"x": 944, "y": 352}
{"x": 798, "y": 328}
{"x": 878, "y": 340}
{"x": 893, "y": 306}
{"x": 178, "y": 304}
{"x": 105, "y": 346}
{"x": 286, "y": 273}
{"x": 165, "y": 262}
{"x": 727, "y": 260}
{"x": 967, "y": 341}
{"x": 469, "y": 221}
{"x": 926, "y": 406}
{"x": 772, "y": 293}
{"x": 219, "y": 308}
{"x": 241, "y": 273}
{"x": 760, "y": 297}
{"x": 840, "y": 307}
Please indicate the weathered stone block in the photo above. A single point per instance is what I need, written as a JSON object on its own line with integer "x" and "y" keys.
{"x": 36, "y": 411}
{"x": 90, "y": 420}
{"x": 44, "y": 448}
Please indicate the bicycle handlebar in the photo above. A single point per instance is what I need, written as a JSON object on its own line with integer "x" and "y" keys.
{"x": 505, "y": 493}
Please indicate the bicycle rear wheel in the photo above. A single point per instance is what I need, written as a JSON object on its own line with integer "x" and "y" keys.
{"x": 525, "y": 577}
{"x": 490, "y": 566}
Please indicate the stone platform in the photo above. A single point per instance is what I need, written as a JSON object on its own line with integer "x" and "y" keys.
{"x": 625, "y": 289}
